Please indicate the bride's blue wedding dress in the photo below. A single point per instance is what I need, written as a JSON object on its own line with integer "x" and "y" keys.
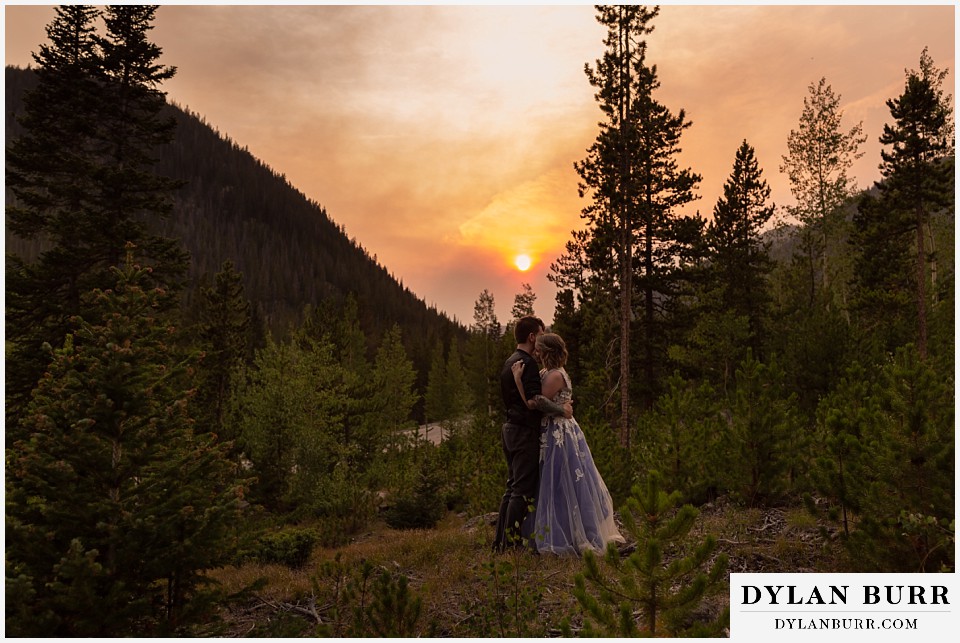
{"x": 574, "y": 510}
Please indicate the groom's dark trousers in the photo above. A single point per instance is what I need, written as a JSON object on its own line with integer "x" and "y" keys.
{"x": 521, "y": 447}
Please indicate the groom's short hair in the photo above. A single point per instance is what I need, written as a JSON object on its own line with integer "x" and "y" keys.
{"x": 525, "y": 326}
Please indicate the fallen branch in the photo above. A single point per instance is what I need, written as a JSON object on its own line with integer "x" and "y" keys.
{"x": 311, "y": 611}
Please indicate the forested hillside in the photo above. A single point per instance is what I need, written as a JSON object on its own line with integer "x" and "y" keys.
{"x": 290, "y": 252}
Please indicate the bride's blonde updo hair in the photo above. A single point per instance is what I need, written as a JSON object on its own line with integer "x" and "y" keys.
{"x": 552, "y": 350}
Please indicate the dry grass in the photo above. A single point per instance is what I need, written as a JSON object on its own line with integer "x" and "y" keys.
{"x": 449, "y": 567}
{"x": 413, "y": 552}
{"x": 770, "y": 540}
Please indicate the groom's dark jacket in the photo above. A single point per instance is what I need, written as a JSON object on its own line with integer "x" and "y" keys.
{"x": 517, "y": 412}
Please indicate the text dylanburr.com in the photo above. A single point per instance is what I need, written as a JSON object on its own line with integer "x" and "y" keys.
{"x": 844, "y": 607}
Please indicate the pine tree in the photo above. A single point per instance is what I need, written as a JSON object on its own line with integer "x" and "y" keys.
{"x": 568, "y": 322}
{"x": 483, "y": 356}
{"x": 84, "y": 180}
{"x": 607, "y": 174}
{"x": 917, "y": 174}
{"x": 738, "y": 258}
{"x": 482, "y": 463}
{"x": 665, "y": 237}
{"x": 132, "y": 126}
{"x": 361, "y": 436}
{"x": 844, "y": 420}
{"x": 395, "y": 379}
{"x": 423, "y": 506}
{"x": 586, "y": 317}
{"x": 665, "y": 590}
{"x": 49, "y": 167}
{"x": 460, "y": 396}
{"x": 686, "y": 440}
{"x": 348, "y": 337}
{"x": 116, "y": 506}
{"x": 290, "y": 416}
{"x": 763, "y": 425}
{"x": 437, "y": 397}
{"x": 395, "y": 609}
{"x": 224, "y": 332}
{"x": 523, "y": 302}
{"x": 716, "y": 343}
{"x": 49, "y": 172}
{"x": 599, "y": 358}
{"x": 813, "y": 344}
{"x": 906, "y": 520}
{"x": 635, "y": 184}
{"x": 448, "y": 396}
{"x": 883, "y": 283}
{"x": 364, "y": 604}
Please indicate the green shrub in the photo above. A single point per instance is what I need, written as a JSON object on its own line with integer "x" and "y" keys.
{"x": 415, "y": 512}
{"x": 425, "y": 506}
{"x": 291, "y": 547}
{"x": 344, "y": 505}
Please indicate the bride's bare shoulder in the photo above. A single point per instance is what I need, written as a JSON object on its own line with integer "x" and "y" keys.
{"x": 552, "y": 377}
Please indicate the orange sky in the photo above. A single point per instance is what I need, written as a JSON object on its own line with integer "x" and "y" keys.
{"x": 443, "y": 137}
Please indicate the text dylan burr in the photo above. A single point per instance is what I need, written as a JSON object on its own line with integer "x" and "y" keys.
{"x": 837, "y": 595}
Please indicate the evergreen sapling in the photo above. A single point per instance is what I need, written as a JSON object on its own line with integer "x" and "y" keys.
{"x": 662, "y": 578}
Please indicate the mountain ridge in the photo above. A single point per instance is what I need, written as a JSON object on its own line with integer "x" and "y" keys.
{"x": 291, "y": 253}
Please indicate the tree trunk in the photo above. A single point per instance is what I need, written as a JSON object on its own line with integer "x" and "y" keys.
{"x": 921, "y": 286}
{"x": 626, "y": 311}
{"x": 626, "y": 241}
{"x": 934, "y": 297}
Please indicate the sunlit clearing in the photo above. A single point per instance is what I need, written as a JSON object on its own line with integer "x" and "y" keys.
{"x": 523, "y": 262}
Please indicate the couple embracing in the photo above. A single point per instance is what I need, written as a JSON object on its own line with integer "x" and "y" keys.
{"x": 549, "y": 465}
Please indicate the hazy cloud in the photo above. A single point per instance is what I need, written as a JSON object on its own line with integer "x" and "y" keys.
{"x": 434, "y": 133}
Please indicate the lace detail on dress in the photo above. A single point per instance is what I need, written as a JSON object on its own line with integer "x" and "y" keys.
{"x": 574, "y": 509}
{"x": 563, "y": 431}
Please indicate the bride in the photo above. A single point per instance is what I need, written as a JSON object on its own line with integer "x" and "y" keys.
{"x": 574, "y": 510}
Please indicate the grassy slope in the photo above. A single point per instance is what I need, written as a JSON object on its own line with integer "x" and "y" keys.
{"x": 450, "y": 568}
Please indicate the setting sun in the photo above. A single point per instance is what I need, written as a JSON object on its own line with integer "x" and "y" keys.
{"x": 523, "y": 262}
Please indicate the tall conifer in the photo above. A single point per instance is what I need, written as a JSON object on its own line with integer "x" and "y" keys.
{"x": 224, "y": 332}
{"x": 84, "y": 180}
{"x": 49, "y": 172}
{"x": 290, "y": 413}
{"x": 635, "y": 184}
{"x": 483, "y": 355}
{"x": 738, "y": 255}
{"x": 883, "y": 303}
{"x": 437, "y": 397}
{"x": 763, "y": 426}
{"x": 918, "y": 170}
{"x": 394, "y": 391}
{"x": 523, "y": 302}
{"x": 116, "y": 505}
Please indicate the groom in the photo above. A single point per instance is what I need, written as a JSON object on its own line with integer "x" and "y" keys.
{"x": 521, "y": 436}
